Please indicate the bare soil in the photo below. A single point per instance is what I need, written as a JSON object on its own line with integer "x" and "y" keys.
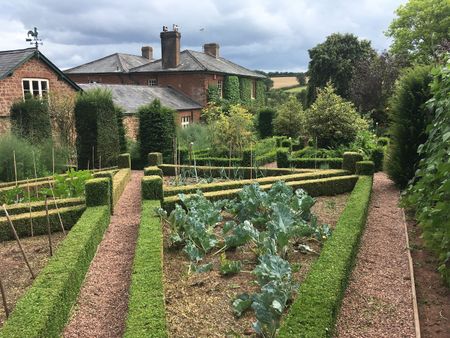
{"x": 14, "y": 273}
{"x": 199, "y": 305}
{"x": 433, "y": 297}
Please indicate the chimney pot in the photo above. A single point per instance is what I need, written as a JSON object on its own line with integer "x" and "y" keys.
{"x": 211, "y": 49}
{"x": 147, "y": 52}
{"x": 170, "y": 48}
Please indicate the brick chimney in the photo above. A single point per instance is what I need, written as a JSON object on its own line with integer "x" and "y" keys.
{"x": 147, "y": 52}
{"x": 211, "y": 49}
{"x": 170, "y": 47}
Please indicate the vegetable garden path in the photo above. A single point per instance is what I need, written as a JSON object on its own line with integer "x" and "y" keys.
{"x": 103, "y": 301}
{"x": 378, "y": 300}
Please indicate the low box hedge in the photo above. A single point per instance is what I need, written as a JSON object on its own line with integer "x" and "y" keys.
{"x": 155, "y": 159}
{"x": 120, "y": 181}
{"x": 218, "y": 161}
{"x": 44, "y": 309}
{"x": 153, "y": 170}
{"x": 124, "y": 161}
{"x": 314, "y": 311}
{"x": 21, "y": 208}
{"x": 152, "y": 188}
{"x": 98, "y": 191}
{"x": 349, "y": 161}
{"x": 282, "y": 158}
{"x": 146, "y": 306}
{"x": 365, "y": 168}
{"x": 69, "y": 216}
{"x": 268, "y": 157}
{"x": 316, "y": 163}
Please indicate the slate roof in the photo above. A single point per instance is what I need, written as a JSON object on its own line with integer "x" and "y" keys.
{"x": 194, "y": 61}
{"x": 114, "y": 63}
{"x": 131, "y": 97}
{"x": 10, "y": 60}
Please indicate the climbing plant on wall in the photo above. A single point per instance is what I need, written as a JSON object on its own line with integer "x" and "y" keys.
{"x": 231, "y": 89}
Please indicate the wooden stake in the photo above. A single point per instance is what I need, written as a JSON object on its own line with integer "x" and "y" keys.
{"x": 34, "y": 164}
{"x": 5, "y": 305}
{"x": 18, "y": 241}
{"x": 56, "y": 206}
{"x": 15, "y": 166}
{"x": 251, "y": 161}
{"x": 175, "y": 157}
{"x": 53, "y": 160}
{"x": 29, "y": 204}
{"x": 49, "y": 231}
{"x": 229, "y": 163}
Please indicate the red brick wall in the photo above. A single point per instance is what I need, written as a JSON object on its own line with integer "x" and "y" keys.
{"x": 11, "y": 87}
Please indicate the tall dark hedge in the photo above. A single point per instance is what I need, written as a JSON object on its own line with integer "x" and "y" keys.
{"x": 408, "y": 118}
{"x": 96, "y": 126}
{"x": 246, "y": 87}
{"x": 265, "y": 122}
{"x": 231, "y": 90}
{"x": 121, "y": 130}
{"x": 30, "y": 119}
{"x": 156, "y": 130}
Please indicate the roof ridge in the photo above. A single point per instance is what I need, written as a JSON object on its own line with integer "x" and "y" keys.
{"x": 195, "y": 59}
{"x": 18, "y": 50}
{"x": 91, "y": 62}
{"x": 119, "y": 59}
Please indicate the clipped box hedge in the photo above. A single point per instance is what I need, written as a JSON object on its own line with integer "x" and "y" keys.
{"x": 69, "y": 216}
{"x": 120, "y": 181}
{"x": 331, "y": 163}
{"x": 21, "y": 208}
{"x": 124, "y": 161}
{"x": 152, "y": 188}
{"x": 218, "y": 161}
{"x": 365, "y": 168}
{"x": 153, "y": 170}
{"x": 282, "y": 158}
{"x": 154, "y": 158}
{"x": 349, "y": 161}
{"x": 98, "y": 191}
{"x": 146, "y": 306}
{"x": 314, "y": 311}
{"x": 44, "y": 309}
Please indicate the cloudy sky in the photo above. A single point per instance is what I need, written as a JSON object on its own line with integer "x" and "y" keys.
{"x": 259, "y": 34}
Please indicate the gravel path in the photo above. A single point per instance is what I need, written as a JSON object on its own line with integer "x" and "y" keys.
{"x": 378, "y": 300}
{"x": 103, "y": 301}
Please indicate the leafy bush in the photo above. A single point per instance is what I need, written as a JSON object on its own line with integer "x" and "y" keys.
{"x": 265, "y": 122}
{"x": 332, "y": 120}
{"x": 231, "y": 90}
{"x": 30, "y": 119}
{"x": 156, "y": 130}
{"x": 213, "y": 94}
{"x": 408, "y": 116}
{"x": 198, "y": 134}
{"x": 290, "y": 118}
{"x": 260, "y": 98}
{"x": 246, "y": 87}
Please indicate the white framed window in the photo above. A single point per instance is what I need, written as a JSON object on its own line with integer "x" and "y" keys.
{"x": 220, "y": 88}
{"x": 35, "y": 87}
{"x": 152, "y": 82}
{"x": 185, "y": 121}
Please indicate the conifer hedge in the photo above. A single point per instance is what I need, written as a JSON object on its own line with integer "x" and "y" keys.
{"x": 231, "y": 89}
{"x": 121, "y": 130}
{"x": 265, "y": 122}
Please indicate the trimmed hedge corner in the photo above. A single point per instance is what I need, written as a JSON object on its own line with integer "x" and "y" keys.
{"x": 98, "y": 191}
{"x": 152, "y": 188}
{"x": 314, "y": 312}
{"x": 146, "y": 310}
{"x": 282, "y": 158}
{"x": 124, "y": 161}
{"x": 45, "y": 308}
{"x": 155, "y": 158}
{"x": 153, "y": 170}
{"x": 349, "y": 161}
{"x": 365, "y": 168}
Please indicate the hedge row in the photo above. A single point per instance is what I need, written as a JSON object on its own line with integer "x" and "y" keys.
{"x": 218, "y": 161}
{"x": 120, "y": 180}
{"x": 153, "y": 170}
{"x": 146, "y": 311}
{"x": 316, "y": 187}
{"x": 313, "y": 313}
{"x": 187, "y": 189}
{"x": 331, "y": 163}
{"x": 20, "y": 208}
{"x": 69, "y": 216}
{"x": 45, "y": 308}
{"x": 152, "y": 188}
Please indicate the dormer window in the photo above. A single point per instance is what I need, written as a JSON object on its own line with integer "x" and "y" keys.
{"x": 35, "y": 87}
{"x": 152, "y": 82}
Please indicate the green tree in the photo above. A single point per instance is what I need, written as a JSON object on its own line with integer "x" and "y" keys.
{"x": 420, "y": 27}
{"x": 334, "y": 60}
{"x": 408, "y": 118}
{"x": 332, "y": 120}
{"x": 290, "y": 118}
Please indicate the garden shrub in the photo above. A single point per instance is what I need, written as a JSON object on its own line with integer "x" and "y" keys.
{"x": 156, "y": 130}
{"x": 290, "y": 118}
{"x": 30, "y": 119}
{"x": 260, "y": 97}
{"x": 378, "y": 158}
{"x": 248, "y": 158}
{"x": 408, "y": 117}
{"x": 265, "y": 122}
{"x": 152, "y": 188}
{"x": 282, "y": 158}
{"x": 153, "y": 170}
{"x": 121, "y": 130}
{"x": 124, "y": 161}
{"x": 213, "y": 94}
{"x": 365, "y": 168}
{"x": 349, "y": 161}
{"x": 286, "y": 143}
{"x": 155, "y": 159}
{"x": 245, "y": 87}
{"x": 231, "y": 90}
{"x": 98, "y": 192}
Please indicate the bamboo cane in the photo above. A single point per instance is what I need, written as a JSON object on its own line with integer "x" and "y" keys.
{"x": 18, "y": 241}
{"x": 251, "y": 160}
{"x": 53, "y": 160}
{"x": 5, "y": 305}
{"x": 35, "y": 170}
{"x": 29, "y": 205}
{"x": 49, "y": 231}
{"x": 15, "y": 166}
{"x": 56, "y": 206}
{"x": 175, "y": 157}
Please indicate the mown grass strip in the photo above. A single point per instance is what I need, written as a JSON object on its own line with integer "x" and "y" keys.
{"x": 313, "y": 313}
{"x": 44, "y": 309}
{"x": 146, "y": 311}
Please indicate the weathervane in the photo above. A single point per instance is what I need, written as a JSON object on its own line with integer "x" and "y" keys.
{"x": 33, "y": 40}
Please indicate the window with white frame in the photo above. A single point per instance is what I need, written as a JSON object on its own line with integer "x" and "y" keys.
{"x": 185, "y": 121}
{"x": 152, "y": 82}
{"x": 219, "y": 88}
{"x": 35, "y": 87}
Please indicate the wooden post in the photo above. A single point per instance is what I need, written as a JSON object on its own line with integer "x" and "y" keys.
{"x": 5, "y": 305}
{"x": 53, "y": 160}
{"x": 251, "y": 160}
{"x": 15, "y": 166}
{"x": 229, "y": 163}
{"x": 57, "y": 209}
{"x": 34, "y": 164}
{"x": 175, "y": 157}
{"x": 49, "y": 230}
{"x": 18, "y": 241}
{"x": 29, "y": 204}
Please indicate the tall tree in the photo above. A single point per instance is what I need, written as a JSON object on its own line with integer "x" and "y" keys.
{"x": 290, "y": 118}
{"x": 420, "y": 28}
{"x": 334, "y": 60}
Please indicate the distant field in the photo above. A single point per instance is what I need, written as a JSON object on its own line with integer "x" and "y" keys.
{"x": 295, "y": 89}
{"x": 282, "y": 82}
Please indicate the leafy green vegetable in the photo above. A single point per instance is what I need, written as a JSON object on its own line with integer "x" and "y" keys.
{"x": 228, "y": 267}
{"x": 242, "y": 303}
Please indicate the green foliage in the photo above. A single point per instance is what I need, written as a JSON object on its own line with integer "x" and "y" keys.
{"x": 349, "y": 161}
{"x": 408, "y": 116}
{"x": 156, "y": 130}
{"x": 429, "y": 193}
{"x": 152, "y": 187}
{"x": 154, "y": 159}
{"x": 419, "y": 29}
{"x": 45, "y": 307}
{"x": 290, "y": 118}
{"x": 378, "y": 158}
{"x": 316, "y": 163}
{"x": 282, "y": 158}
{"x": 228, "y": 267}
{"x": 246, "y": 87}
{"x": 231, "y": 90}
{"x": 97, "y": 129}
{"x": 334, "y": 60}
{"x": 213, "y": 94}
{"x": 98, "y": 192}
{"x": 153, "y": 170}
{"x": 265, "y": 122}
{"x": 146, "y": 309}
{"x": 365, "y": 168}
{"x": 197, "y": 133}
{"x": 71, "y": 184}
{"x": 30, "y": 119}
{"x": 123, "y": 147}
{"x": 124, "y": 161}
{"x": 331, "y": 120}
{"x": 260, "y": 97}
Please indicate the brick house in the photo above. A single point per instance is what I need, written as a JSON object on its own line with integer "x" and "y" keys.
{"x": 189, "y": 72}
{"x": 28, "y": 71}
